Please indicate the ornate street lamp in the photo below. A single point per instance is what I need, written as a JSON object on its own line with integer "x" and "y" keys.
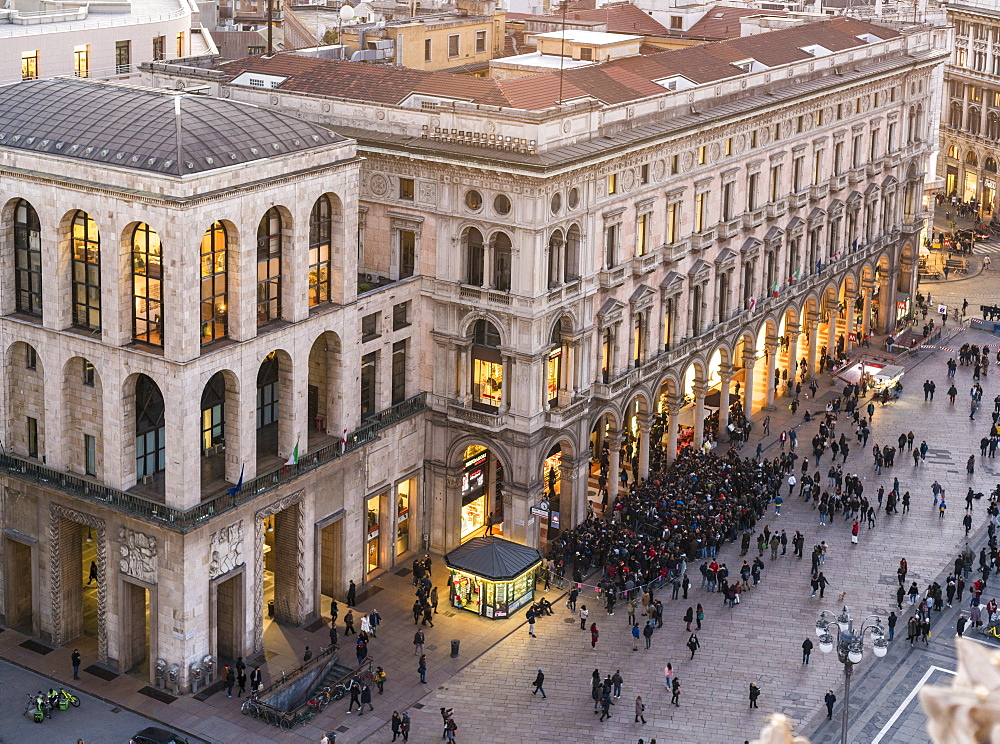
{"x": 850, "y": 647}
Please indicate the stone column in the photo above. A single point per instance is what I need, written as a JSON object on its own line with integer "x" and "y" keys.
{"x": 831, "y": 336}
{"x": 699, "y": 391}
{"x": 181, "y": 290}
{"x": 849, "y": 299}
{"x": 793, "y": 353}
{"x": 464, "y": 375}
{"x": 295, "y": 266}
{"x": 113, "y": 444}
{"x": 614, "y": 442}
{"x": 673, "y": 411}
{"x": 644, "y": 427}
{"x": 517, "y": 512}
{"x": 813, "y": 357}
{"x": 866, "y": 309}
{"x": 54, "y": 437}
{"x": 726, "y": 376}
{"x": 183, "y": 440}
{"x": 57, "y": 250}
{"x": 772, "y": 365}
{"x": 749, "y": 360}
{"x": 574, "y": 492}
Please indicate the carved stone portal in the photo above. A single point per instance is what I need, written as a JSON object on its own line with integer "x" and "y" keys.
{"x": 138, "y": 554}
{"x": 227, "y": 550}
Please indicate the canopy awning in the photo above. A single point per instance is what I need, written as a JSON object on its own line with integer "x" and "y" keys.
{"x": 493, "y": 558}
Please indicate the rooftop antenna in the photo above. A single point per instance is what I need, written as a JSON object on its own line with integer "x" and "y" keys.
{"x": 562, "y": 49}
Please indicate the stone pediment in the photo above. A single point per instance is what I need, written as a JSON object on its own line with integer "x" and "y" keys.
{"x": 854, "y": 197}
{"x": 816, "y": 214}
{"x": 610, "y": 311}
{"x": 796, "y": 223}
{"x": 700, "y": 270}
{"x": 643, "y": 296}
{"x": 751, "y": 247}
{"x": 726, "y": 258}
{"x": 672, "y": 282}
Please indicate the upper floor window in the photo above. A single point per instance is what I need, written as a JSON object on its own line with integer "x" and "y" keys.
{"x": 269, "y": 239}
{"x": 474, "y": 256}
{"x": 86, "y": 251}
{"x": 453, "y": 45}
{"x": 480, "y": 42}
{"x": 81, "y": 60}
{"x": 147, "y": 286}
{"x": 502, "y": 262}
{"x": 487, "y": 366}
{"x": 406, "y": 189}
{"x": 214, "y": 284}
{"x": 27, "y": 259}
{"x": 29, "y": 65}
{"x": 320, "y": 233}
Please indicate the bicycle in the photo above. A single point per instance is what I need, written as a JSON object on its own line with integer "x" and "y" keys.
{"x": 339, "y": 690}
{"x": 321, "y": 700}
{"x": 69, "y": 697}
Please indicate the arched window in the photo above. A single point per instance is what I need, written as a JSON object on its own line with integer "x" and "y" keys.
{"x": 487, "y": 367}
{"x": 990, "y": 164}
{"x": 955, "y": 119}
{"x": 607, "y": 354}
{"x": 973, "y": 120}
{"x": 150, "y": 437}
{"x": 953, "y": 152}
{"x": 269, "y": 240}
{"x": 267, "y": 392}
{"x": 554, "y": 371}
{"x": 214, "y": 284}
{"x": 27, "y": 259}
{"x": 722, "y": 301}
{"x": 320, "y": 232}
{"x": 86, "y": 262}
{"x": 556, "y": 258}
{"x": 502, "y": 258}
{"x": 147, "y": 286}
{"x": 213, "y": 414}
{"x": 572, "y": 261}
{"x": 971, "y": 158}
{"x": 475, "y": 255}
{"x": 993, "y": 125}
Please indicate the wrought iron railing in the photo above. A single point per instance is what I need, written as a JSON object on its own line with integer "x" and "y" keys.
{"x": 183, "y": 520}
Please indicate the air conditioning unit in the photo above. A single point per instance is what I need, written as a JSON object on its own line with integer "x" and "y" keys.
{"x": 373, "y": 278}
{"x": 218, "y": 449}
{"x": 147, "y": 480}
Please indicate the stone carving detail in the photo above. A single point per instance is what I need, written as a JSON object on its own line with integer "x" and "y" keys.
{"x": 741, "y": 144}
{"x": 378, "y": 185}
{"x": 227, "y": 550}
{"x": 659, "y": 170}
{"x": 968, "y": 712}
{"x": 138, "y": 554}
{"x": 57, "y": 512}
{"x": 714, "y": 152}
{"x": 258, "y": 561}
{"x": 687, "y": 161}
{"x": 628, "y": 180}
{"x": 428, "y": 192}
{"x": 778, "y": 730}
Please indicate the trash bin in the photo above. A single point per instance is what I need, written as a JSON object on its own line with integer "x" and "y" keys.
{"x": 454, "y": 648}
{"x": 270, "y": 608}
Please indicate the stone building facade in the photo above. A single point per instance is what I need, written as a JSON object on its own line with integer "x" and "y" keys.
{"x": 970, "y": 117}
{"x": 516, "y": 272}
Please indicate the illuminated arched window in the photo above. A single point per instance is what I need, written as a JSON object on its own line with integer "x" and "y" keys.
{"x": 487, "y": 366}
{"x": 214, "y": 284}
{"x": 269, "y": 241}
{"x": 150, "y": 431}
{"x": 147, "y": 286}
{"x": 320, "y": 232}
{"x": 86, "y": 260}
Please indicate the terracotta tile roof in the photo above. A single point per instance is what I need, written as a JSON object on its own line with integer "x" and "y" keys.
{"x": 723, "y": 22}
{"x": 619, "y": 18}
{"x": 616, "y": 81}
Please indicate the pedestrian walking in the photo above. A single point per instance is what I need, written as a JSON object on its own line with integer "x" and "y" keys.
{"x": 616, "y": 683}
{"x": 404, "y": 725}
{"x": 807, "y": 647}
{"x": 584, "y": 614}
{"x": 539, "y": 681}
{"x": 230, "y": 680}
{"x": 699, "y": 613}
{"x": 366, "y": 699}
{"x": 450, "y": 728}
{"x": 241, "y": 680}
{"x": 675, "y": 692}
{"x": 380, "y": 676}
{"x": 829, "y": 699}
{"x": 418, "y": 642}
{"x": 688, "y": 618}
{"x": 605, "y": 706}
{"x": 647, "y": 633}
{"x": 75, "y": 658}
{"x": 594, "y": 636}
{"x": 639, "y": 709}
{"x": 395, "y": 724}
{"x": 349, "y": 623}
{"x": 754, "y": 694}
{"x": 352, "y": 594}
{"x": 307, "y": 655}
{"x": 635, "y": 636}
{"x": 256, "y": 680}
{"x": 531, "y": 622}
{"x": 422, "y": 668}
{"x": 693, "y": 644}
{"x": 893, "y": 618}
{"x": 668, "y": 675}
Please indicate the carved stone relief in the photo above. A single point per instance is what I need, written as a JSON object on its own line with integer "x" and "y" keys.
{"x": 138, "y": 554}
{"x": 227, "y": 550}
{"x": 258, "y": 574}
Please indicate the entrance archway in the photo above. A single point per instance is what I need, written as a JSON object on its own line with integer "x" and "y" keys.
{"x": 482, "y": 478}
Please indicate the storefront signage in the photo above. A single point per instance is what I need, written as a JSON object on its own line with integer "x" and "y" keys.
{"x": 403, "y": 516}
{"x": 901, "y": 305}
{"x": 501, "y": 613}
{"x": 522, "y": 600}
{"x": 554, "y": 520}
{"x": 852, "y": 337}
{"x": 942, "y": 309}
{"x": 373, "y": 533}
{"x": 539, "y": 511}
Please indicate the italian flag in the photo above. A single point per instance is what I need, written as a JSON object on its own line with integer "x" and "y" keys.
{"x": 774, "y": 288}
{"x": 294, "y": 459}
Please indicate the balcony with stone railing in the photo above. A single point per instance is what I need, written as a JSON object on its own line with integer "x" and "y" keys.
{"x": 838, "y": 182}
{"x": 702, "y": 240}
{"x": 673, "y": 252}
{"x": 775, "y": 209}
{"x": 798, "y": 199}
{"x": 493, "y": 422}
{"x": 185, "y": 520}
{"x": 753, "y": 219}
{"x": 609, "y": 278}
{"x": 645, "y": 263}
{"x": 874, "y": 167}
{"x": 856, "y": 175}
{"x": 728, "y": 228}
{"x": 819, "y": 191}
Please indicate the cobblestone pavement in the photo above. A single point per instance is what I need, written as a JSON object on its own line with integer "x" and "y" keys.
{"x": 760, "y": 640}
